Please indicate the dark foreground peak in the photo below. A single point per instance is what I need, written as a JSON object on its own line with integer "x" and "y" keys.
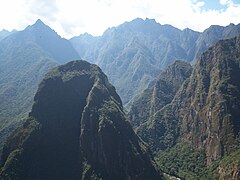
{"x": 77, "y": 130}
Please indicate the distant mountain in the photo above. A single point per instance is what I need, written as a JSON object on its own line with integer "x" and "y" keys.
{"x": 204, "y": 113}
{"x": 133, "y": 53}
{"x": 4, "y": 33}
{"x": 58, "y": 48}
{"x": 25, "y": 57}
{"x": 83, "y": 42}
{"x": 212, "y": 35}
{"x": 76, "y": 130}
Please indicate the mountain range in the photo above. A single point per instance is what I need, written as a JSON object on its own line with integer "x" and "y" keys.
{"x": 134, "y": 53}
{"x": 179, "y": 90}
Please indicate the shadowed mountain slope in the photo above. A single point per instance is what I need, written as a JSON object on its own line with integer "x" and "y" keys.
{"x": 76, "y": 130}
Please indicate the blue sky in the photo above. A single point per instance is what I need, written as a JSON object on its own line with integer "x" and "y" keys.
{"x": 213, "y": 4}
{"x": 73, "y": 17}
{"x": 216, "y": 4}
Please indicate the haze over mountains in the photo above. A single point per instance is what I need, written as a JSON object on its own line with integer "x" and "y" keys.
{"x": 181, "y": 90}
{"x": 133, "y": 53}
{"x": 25, "y": 57}
{"x": 4, "y": 33}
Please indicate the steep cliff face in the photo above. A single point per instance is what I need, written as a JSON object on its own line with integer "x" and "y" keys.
{"x": 211, "y": 103}
{"x": 76, "y": 130}
{"x": 146, "y": 114}
{"x": 203, "y": 111}
{"x": 168, "y": 84}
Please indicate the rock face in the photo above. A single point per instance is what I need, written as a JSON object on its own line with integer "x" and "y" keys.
{"x": 76, "y": 130}
{"x": 210, "y": 102}
{"x": 205, "y": 109}
{"x": 145, "y": 114}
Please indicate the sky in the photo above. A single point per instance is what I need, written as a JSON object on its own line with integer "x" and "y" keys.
{"x": 74, "y": 17}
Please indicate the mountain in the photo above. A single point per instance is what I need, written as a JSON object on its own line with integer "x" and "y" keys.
{"x": 203, "y": 113}
{"x": 59, "y": 48}
{"x": 76, "y": 130}
{"x": 189, "y": 117}
{"x": 4, "y": 33}
{"x": 145, "y": 113}
{"x": 133, "y": 53}
{"x": 212, "y": 35}
{"x": 210, "y": 108}
{"x": 25, "y": 57}
{"x": 83, "y": 42}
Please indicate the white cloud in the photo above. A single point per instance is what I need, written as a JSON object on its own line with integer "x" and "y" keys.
{"x": 11, "y": 15}
{"x": 43, "y": 8}
{"x": 73, "y": 17}
{"x": 226, "y": 2}
{"x": 200, "y": 3}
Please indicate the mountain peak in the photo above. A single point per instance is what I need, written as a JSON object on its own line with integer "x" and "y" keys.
{"x": 231, "y": 24}
{"x": 4, "y": 31}
{"x": 144, "y": 21}
{"x": 77, "y": 129}
{"x": 39, "y": 23}
{"x": 150, "y": 20}
{"x": 50, "y": 41}
{"x": 38, "y": 26}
